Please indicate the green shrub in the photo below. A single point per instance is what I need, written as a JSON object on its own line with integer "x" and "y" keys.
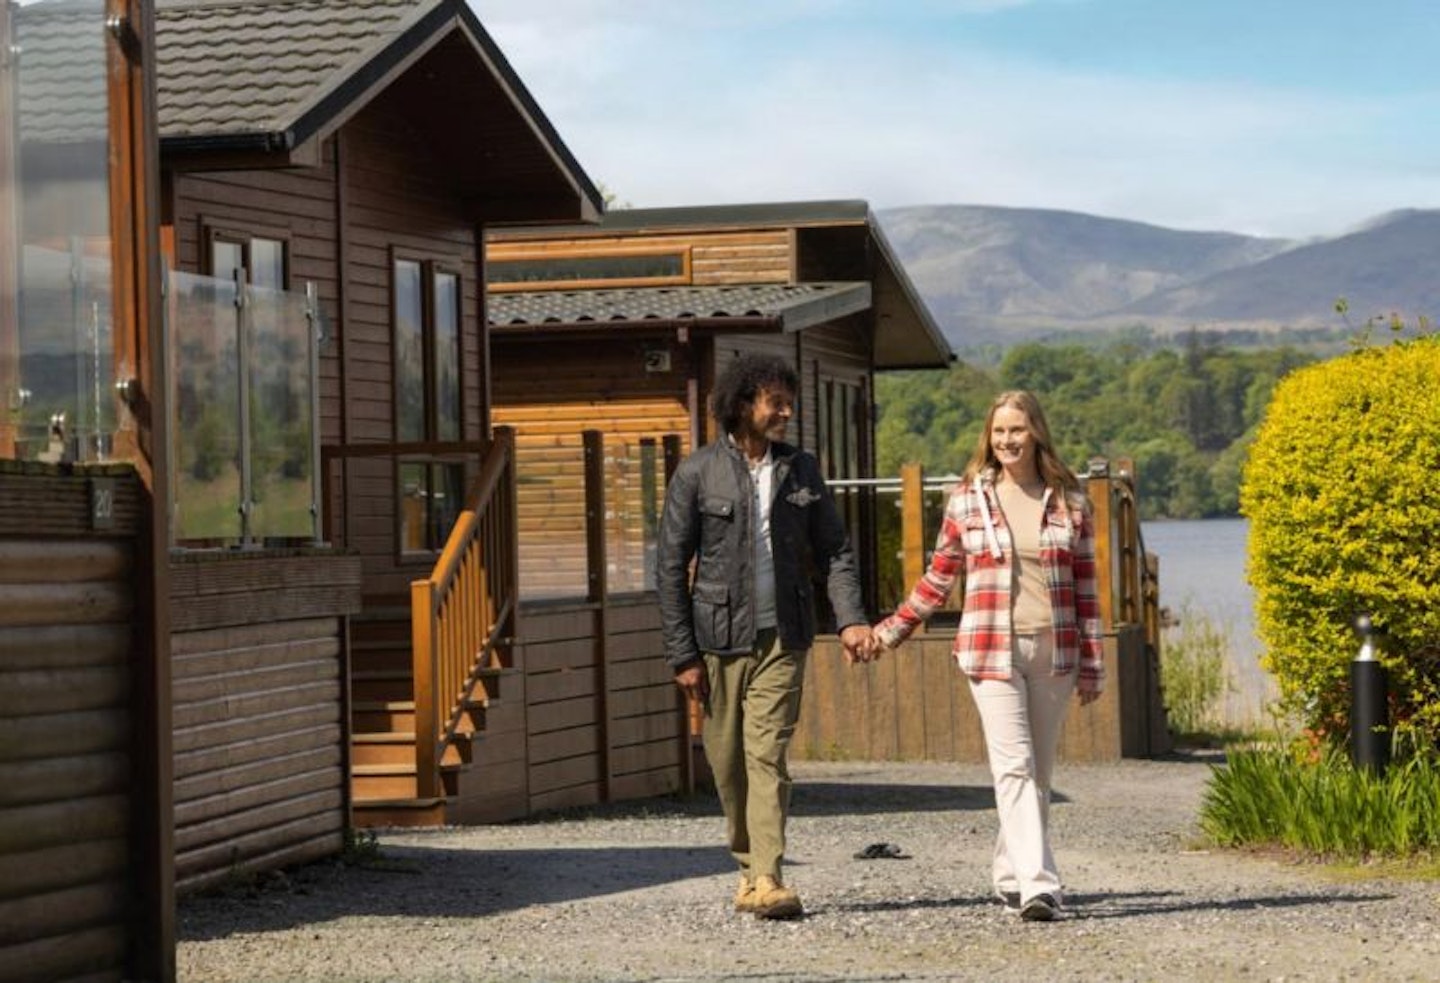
{"x": 1268, "y": 797}
{"x": 1193, "y": 672}
{"x": 1342, "y": 490}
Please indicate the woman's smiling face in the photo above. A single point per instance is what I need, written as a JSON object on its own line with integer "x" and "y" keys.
{"x": 1011, "y": 440}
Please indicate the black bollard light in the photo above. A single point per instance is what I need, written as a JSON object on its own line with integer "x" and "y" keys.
{"x": 1369, "y": 717}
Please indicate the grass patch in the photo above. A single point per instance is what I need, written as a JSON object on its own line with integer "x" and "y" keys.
{"x": 1325, "y": 808}
{"x": 1196, "y": 677}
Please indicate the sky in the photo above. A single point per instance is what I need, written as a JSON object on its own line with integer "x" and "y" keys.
{"x": 1292, "y": 118}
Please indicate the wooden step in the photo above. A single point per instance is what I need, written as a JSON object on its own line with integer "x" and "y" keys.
{"x": 381, "y": 685}
{"x": 398, "y": 748}
{"x": 399, "y": 812}
{"x": 382, "y": 716}
{"x": 381, "y": 657}
{"x": 397, "y": 781}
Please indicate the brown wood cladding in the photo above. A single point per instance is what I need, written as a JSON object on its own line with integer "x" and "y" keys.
{"x": 258, "y": 683}
{"x": 716, "y": 258}
{"x": 915, "y": 706}
{"x": 564, "y": 762}
{"x": 66, "y": 782}
{"x": 550, "y": 403}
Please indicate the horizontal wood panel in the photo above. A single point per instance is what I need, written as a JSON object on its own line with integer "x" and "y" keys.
{"x": 45, "y": 691}
{"x": 228, "y": 731}
{"x": 264, "y": 640}
{"x": 208, "y": 793}
{"x": 61, "y": 912}
{"x": 65, "y": 646}
{"x": 53, "y": 561}
{"x": 47, "y": 500}
{"x": 36, "y": 827}
{"x": 263, "y": 748}
{"x": 232, "y": 852}
{"x": 63, "y": 735}
{"x": 567, "y": 773}
{"x": 57, "y": 867}
{"x": 256, "y": 680}
{"x": 259, "y": 658}
{"x": 564, "y": 744}
{"x": 324, "y": 804}
{"x": 249, "y": 706}
{"x": 58, "y": 957}
{"x": 301, "y": 849}
{"x": 51, "y": 779}
{"x": 48, "y": 604}
{"x": 564, "y": 685}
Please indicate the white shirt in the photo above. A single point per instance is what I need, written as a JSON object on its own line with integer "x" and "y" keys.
{"x": 762, "y": 479}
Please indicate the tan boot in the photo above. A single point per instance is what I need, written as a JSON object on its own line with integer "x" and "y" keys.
{"x": 775, "y": 900}
{"x": 745, "y": 894}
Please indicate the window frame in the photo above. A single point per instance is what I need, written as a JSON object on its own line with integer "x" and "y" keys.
{"x": 431, "y": 268}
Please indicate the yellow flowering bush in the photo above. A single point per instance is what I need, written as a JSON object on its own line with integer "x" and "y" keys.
{"x": 1342, "y": 490}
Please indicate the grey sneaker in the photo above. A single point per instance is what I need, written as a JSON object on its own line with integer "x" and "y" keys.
{"x": 1041, "y": 908}
{"x": 1010, "y": 899}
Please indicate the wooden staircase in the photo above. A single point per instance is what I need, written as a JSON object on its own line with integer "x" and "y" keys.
{"x": 383, "y": 784}
{"x": 425, "y": 668}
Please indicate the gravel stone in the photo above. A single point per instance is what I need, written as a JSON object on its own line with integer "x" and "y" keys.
{"x": 642, "y": 892}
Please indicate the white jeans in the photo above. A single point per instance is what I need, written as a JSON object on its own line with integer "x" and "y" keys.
{"x": 1021, "y": 717}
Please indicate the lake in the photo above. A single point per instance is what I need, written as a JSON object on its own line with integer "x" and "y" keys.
{"x": 1202, "y": 566}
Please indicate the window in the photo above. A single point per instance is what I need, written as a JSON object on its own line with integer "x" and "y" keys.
{"x": 522, "y": 270}
{"x": 261, "y": 258}
{"x": 428, "y": 396}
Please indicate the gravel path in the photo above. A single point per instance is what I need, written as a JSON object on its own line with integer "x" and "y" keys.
{"x": 642, "y": 892}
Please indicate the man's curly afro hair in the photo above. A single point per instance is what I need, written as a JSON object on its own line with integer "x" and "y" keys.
{"x": 741, "y": 381}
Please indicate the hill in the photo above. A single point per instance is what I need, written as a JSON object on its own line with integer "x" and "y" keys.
{"x": 994, "y": 274}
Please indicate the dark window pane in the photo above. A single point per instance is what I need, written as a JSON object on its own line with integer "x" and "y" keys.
{"x": 409, "y": 353}
{"x": 267, "y": 264}
{"x": 447, "y": 356}
{"x": 565, "y": 269}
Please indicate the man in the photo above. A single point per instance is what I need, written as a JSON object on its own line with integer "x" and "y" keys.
{"x": 756, "y": 518}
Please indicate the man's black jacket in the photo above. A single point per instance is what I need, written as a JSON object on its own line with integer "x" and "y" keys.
{"x": 709, "y": 512}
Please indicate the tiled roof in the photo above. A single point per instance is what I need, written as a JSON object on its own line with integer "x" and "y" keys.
{"x": 60, "y": 72}
{"x": 256, "y": 66}
{"x": 795, "y": 305}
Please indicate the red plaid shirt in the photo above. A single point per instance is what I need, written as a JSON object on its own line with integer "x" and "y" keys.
{"x": 975, "y": 540}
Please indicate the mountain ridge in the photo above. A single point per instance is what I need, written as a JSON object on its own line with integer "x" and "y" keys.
{"x": 1004, "y": 274}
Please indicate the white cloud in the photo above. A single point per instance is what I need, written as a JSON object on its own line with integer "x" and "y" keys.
{"x": 702, "y": 103}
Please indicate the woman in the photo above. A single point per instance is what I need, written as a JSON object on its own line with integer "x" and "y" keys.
{"x": 1019, "y": 528}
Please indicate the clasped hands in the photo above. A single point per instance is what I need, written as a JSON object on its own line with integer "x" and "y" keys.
{"x": 861, "y": 644}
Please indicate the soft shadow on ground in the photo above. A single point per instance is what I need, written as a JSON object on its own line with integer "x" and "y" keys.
{"x": 431, "y": 882}
{"x": 1096, "y": 905}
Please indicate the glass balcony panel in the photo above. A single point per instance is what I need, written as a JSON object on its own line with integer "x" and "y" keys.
{"x": 57, "y": 367}
{"x": 281, "y": 432}
{"x": 203, "y": 332}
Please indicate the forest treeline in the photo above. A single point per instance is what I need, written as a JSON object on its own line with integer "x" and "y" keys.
{"x": 1185, "y": 414}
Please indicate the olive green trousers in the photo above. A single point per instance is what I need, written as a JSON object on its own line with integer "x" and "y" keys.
{"x": 750, "y": 717}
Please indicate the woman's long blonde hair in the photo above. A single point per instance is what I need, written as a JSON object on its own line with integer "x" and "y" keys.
{"x": 1047, "y": 460}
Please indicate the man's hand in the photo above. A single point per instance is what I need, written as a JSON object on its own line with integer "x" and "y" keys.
{"x": 693, "y": 680}
{"x": 1088, "y": 692}
{"x": 859, "y": 642}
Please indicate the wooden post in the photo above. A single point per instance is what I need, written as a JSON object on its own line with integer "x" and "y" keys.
{"x": 423, "y": 661}
{"x": 687, "y": 709}
{"x": 1099, "y": 492}
{"x": 598, "y": 591}
{"x": 912, "y": 523}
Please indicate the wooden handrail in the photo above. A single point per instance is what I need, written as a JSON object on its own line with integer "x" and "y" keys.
{"x": 462, "y": 614}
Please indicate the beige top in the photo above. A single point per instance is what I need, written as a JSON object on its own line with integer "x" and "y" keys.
{"x": 1029, "y": 594}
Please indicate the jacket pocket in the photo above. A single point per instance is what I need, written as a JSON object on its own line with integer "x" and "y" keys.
{"x": 710, "y": 604}
{"x": 973, "y": 537}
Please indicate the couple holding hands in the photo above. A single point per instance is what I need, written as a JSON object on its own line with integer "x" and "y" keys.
{"x": 754, "y": 518}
